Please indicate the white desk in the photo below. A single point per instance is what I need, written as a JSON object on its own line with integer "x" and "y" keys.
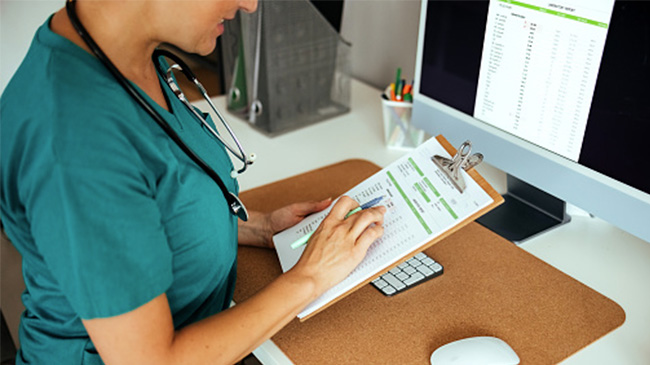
{"x": 592, "y": 251}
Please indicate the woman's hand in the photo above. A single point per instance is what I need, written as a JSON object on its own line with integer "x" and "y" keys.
{"x": 338, "y": 245}
{"x": 260, "y": 228}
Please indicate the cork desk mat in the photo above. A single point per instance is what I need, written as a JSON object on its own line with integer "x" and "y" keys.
{"x": 490, "y": 287}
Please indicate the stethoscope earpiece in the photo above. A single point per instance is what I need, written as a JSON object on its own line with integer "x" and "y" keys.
{"x": 249, "y": 161}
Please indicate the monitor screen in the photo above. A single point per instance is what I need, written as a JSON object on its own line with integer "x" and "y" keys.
{"x": 566, "y": 81}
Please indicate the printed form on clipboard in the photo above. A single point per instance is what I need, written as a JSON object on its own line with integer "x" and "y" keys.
{"x": 423, "y": 206}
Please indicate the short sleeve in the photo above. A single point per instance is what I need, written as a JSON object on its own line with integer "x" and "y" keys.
{"x": 90, "y": 200}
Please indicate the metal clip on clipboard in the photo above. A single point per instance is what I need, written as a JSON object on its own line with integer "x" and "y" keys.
{"x": 462, "y": 160}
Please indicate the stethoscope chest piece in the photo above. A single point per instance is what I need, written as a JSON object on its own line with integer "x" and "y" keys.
{"x": 238, "y": 208}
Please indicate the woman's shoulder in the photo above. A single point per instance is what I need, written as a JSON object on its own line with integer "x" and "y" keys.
{"x": 63, "y": 100}
{"x": 58, "y": 80}
{"x": 65, "y": 90}
{"x": 65, "y": 110}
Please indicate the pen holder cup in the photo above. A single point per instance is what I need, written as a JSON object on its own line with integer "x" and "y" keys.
{"x": 399, "y": 133}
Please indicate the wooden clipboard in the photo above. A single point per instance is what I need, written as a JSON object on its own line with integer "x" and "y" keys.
{"x": 497, "y": 199}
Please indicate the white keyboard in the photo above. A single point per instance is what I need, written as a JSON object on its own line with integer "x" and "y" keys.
{"x": 408, "y": 274}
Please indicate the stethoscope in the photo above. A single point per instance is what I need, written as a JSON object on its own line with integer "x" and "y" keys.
{"x": 236, "y": 206}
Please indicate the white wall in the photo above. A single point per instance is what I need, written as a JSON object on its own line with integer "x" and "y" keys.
{"x": 19, "y": 20}
{"x": 383, "y": 34}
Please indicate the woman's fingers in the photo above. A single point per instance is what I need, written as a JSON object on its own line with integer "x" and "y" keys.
{"x": 359, "y": 222}
{"x": 306, "y": 208}
{"x": 370, "y": 235}
{"x": 362, "y": 220}
{"x": 342, "y": 207}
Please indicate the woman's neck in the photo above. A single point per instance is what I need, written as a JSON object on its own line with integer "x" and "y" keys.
{"x": 117, "y": 29}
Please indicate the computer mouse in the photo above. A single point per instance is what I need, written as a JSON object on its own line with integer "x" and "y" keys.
{"x": 482, "y": 350}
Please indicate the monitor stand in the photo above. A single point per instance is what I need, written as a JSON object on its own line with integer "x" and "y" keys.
{"x": 526, "y": 212}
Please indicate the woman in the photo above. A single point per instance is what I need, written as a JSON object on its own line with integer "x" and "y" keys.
{"x": 129, "y": 249}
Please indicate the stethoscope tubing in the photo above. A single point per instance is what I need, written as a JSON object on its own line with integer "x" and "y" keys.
{"x": 235, "y": 205}
{"x": 182, "y": 66}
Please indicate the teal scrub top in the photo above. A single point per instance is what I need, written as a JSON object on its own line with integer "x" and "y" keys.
{"x": 105, "y": 209}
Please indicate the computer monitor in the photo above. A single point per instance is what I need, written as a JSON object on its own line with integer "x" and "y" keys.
{"x": 556, "y": 93}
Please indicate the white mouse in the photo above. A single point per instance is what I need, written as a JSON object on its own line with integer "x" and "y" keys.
{"x": 475, "y": 351}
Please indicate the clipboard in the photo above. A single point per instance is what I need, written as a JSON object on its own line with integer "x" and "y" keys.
{"x": 544, "y": 314}
{"x": 496, "y": 199}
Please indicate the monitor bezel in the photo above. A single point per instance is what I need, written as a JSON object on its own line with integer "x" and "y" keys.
{"x": 592, "y": 191}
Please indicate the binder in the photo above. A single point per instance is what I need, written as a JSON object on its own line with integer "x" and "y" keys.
{"x": 389, "y": 253}
{"x": 286, "y": 67}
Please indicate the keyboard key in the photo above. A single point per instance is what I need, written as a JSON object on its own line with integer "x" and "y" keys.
{"x": 415, "y": 262}
{"x": 392, "y": 280}
{"x": 409, "y": 270}
{"x": 428, "y": 261}
{"x": 425, "y": 270}
{"x": 402, "y": 276}
{"x": 380, "y": 283}
{"x": 414, "y": 279}
{"x": 408, "y": 274}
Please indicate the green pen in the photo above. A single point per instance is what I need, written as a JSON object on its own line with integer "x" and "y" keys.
{"x": 399, "y": 90}
{"x": 303, "y": 240}
{"x": 398, "y": 80}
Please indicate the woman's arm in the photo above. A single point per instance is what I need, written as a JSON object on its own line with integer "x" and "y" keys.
{"x": 261, "y": 227}
{"x": 146, "y": 334}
